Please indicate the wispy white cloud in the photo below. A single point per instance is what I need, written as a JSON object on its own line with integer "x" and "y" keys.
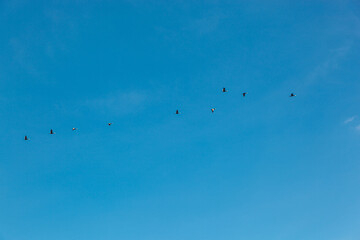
{"x": 119, "y": 103}
{"x": 349, "y": 120}
{"x": 329, "y": 64}
{"x": 206, "y": 24}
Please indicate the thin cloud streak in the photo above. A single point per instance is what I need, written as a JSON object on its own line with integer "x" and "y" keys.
{"x": 323, "y": 69}
{"x": 349, "y": 120}
{"x": 119, "y": 103}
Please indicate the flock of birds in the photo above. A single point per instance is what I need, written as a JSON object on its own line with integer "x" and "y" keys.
{"x": 176, "y": 112}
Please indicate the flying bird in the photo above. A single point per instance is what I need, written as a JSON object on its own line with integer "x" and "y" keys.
{"x": 244, "y": 94}
{"x": 177, "y": 112}
{"x": 26, "y": 138}
{"x": 292, "y": 95}
{"x": 51, "y": 131}
{"x": 224, "y": 90}
{"x": 109, "y": 124}
{"x": 213, "y": 110}
{"x": 74, "y": 129}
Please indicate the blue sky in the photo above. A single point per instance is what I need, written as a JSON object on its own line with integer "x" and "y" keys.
{"x": 262, "y": 167}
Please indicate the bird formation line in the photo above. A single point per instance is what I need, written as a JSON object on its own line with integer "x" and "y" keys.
{"x": 224, "y": 90}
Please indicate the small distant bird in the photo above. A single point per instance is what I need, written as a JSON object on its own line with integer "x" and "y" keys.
{"x": 51, "y": 131}
{"x": 213, "y": 110}
{"x": 74, "y": 129}
{"x": 224, "y": 90}
{"x": 177, "y": 112}
{"x": 109, "y": 124}
{"x": 26, "y": 138}
{"x": 292, "y": 95}
{"x": 244, "y": 94}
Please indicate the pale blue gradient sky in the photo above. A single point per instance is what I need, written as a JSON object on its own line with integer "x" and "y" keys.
{"x": 264, "y": 167}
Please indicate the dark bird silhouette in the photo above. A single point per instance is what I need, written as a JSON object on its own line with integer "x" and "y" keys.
{"x": 51, "y": 131}
{"x": 26, "y": 138}
{"x": 74, "y": 129}
{"x": 292, "y": 95}
{"x": 224, "y": 90}
{"x": 109, "y": 124}
{"x": 213, "y": 110}
{"x": 244, "y": 94}
{"x": 177, "y": 112}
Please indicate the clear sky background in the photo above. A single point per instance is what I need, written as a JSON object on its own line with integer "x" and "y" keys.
{"x": 262, "y": 167}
